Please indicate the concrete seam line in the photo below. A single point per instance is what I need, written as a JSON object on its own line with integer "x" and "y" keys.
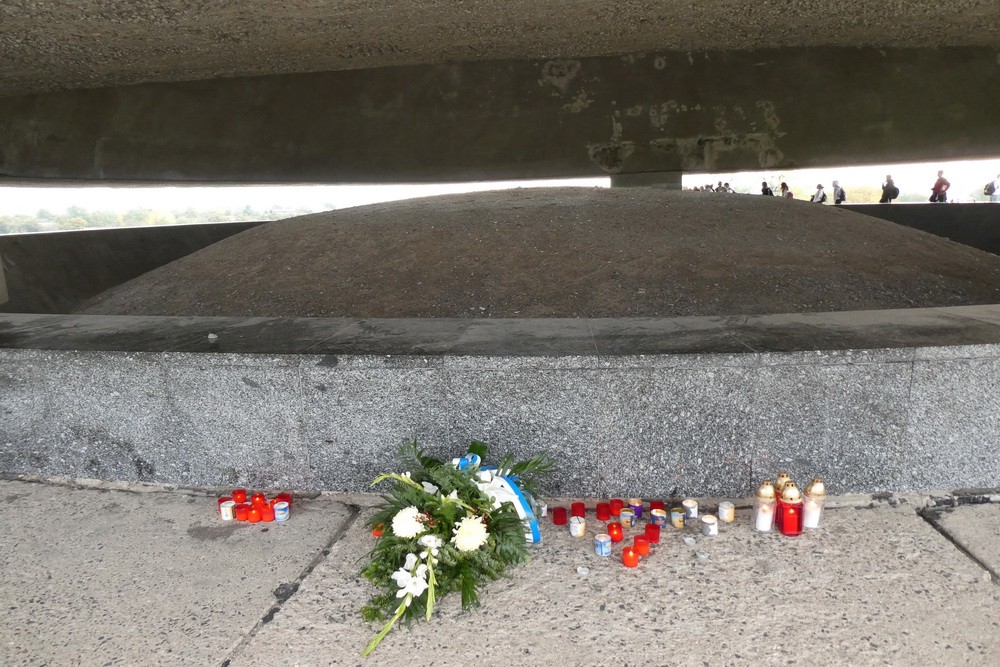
{"x": 929, "y": 516}
{"x": 355, "y": 512}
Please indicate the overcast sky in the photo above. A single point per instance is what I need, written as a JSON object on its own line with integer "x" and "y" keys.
{"x": 965, "y": 176}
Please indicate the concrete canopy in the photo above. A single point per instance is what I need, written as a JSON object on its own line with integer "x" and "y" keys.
{"x": 55, "y": 44}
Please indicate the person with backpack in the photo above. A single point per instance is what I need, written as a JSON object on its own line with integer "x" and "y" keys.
{"x": 820, "y": 196}
{"x": 839, "y": 195}
{"x": 889, "y": 191}
{"x": 993, "y": 189}
{"x": 939, "y": 192}
{"x": 766, "y": 190}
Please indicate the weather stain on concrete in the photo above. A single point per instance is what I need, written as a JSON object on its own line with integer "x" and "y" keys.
{"x": 559, "y": 73}
{"x": 611, "y": 156}
{"x": 579, "y": 103}
{"x": 217, "y": 532}
{"x": 11, "y": 497}
{"x": 251, "y": 383}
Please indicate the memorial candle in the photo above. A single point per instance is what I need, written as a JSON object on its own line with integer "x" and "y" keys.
{"x": 239, "y": 495}
{"x": 763, "y": 507}
{"x": 559, "y": 516}
{"x": 253, "y": 514}
{"x": 656, "y": 505}
{"x": 635, "y": 504}
{"x": 578, "y": 509}
{"x": 790, "y": 511}
{"x": 603, "y": 511}
{"x": 616, "y": 506}
{"x": 630, "y": 557}
{"x": 616, "y": 532}
{"x": 641, "y": 545}
{"x": 653, "y": 532}
{"x": 815, "y": 496}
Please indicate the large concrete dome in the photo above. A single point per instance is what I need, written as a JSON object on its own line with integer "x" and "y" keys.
{"x": 566, "y": 253}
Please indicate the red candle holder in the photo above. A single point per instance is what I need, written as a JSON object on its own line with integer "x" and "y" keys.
{"x": 652, "y": 533}
{"x": 267, "y": 513}
{"x": 641, "y": 546}
{"x": 258, "y": 500}
{"x": 283, "y": 498}
{"x": 559, "y": 516}
{"x": 616, "y": 532}
{"x": 241, "y": 511}
{"x": 616, "y": 506}
{"x": 656, "y": 505}
{"x": 791, "y": 518}
{"x": 777, "y": 514}
{"x": 630, "y": 557}
{"x": 253, "y": 514}
{"x": 239, "y": 495}
{"x": 578, "y": 509}
{"x": 603, "y": 511}
{"x": 224, "y": 499}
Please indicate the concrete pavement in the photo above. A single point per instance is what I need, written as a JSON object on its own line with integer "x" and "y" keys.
{"x": 134, "y": 575}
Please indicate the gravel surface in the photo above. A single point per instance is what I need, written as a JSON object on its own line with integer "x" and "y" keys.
{"x": 566, "y": 253}
{"x": 45, "y": 44}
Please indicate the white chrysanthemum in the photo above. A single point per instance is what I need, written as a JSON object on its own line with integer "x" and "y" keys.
{"x": 407, "y": 522}
{"x": 470, "y": 534}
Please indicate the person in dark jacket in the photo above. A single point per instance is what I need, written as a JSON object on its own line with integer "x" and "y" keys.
{"x": 766, "y": 190}
{"x": 889, "y": 191}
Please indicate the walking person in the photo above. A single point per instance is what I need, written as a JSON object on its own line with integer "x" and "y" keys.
{"x": 839, "y": 195}
{"x": 939, "y": 192}
{"x": 993, "y": 189}
{"x": 889, "y": 191}
{"x": 766, "y": 190}
{"x": 820, "y": 195}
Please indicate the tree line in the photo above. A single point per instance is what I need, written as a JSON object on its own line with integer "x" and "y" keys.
{"x": 76, "y": 217}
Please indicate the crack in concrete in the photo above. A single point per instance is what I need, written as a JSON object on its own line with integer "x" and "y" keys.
{"x": 930, "y": 516}
{"x": 287, "y": 591}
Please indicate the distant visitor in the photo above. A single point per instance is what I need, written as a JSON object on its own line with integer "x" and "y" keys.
{"x": 785, "y": 192}
{"x": 766, "y": 190}
{"x": 889, "y": 191}
{"x": 839, "y": 195}
{"x": 819, "y": 197}
{"x": 992, "y": 189}
{"x": 939, "y": 192}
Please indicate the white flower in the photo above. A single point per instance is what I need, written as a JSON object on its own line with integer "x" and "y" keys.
{"x": 485, "y": 476}
{"x": 430, "y": 488}
{"x": 410, "y": 581}
{"x": 453, "y": 495}
{"x": 470, "y": 534}
{"x": 407, "y": 522}
{"x": 431, "y": 543}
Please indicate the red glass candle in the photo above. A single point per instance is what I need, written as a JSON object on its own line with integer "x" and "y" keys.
{"x": 242, "y": 511}
{"x": 777, "y": 513}
{"x": 559, "y": 516}
{"x": 656, "y": 505}
{"x": 616, "y": 506}
{"x": 603, "y": 511}
{"x": 267, "y": 513}
{"x": 223, "y": 499}
{"x": 258, "y": 500}
{"x": 642, "y": 546}
{"x": 578, "y": 509}
{"x": 239, "y": 495}
{"x": 616, "y": 532}
{"x": 253, "y": 514}
{"x": 791, "y": 518}
{"x": 652, "y": 533}
{"x": 630, "y": 557}
{"x": 283, "y": 498}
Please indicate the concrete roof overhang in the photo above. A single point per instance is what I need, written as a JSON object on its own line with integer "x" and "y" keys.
{"x": 58, "y": 44}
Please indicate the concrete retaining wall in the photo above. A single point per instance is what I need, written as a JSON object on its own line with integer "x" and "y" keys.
{"x": 56, "y": 272}
{"x": 976, "y": 225}
{"x": 660, "y": 425}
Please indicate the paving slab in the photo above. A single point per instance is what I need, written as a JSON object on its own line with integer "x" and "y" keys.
{"x": 871, "y": 586}
{"x": 95, "y": 576}
{"x": 976, "y": 528}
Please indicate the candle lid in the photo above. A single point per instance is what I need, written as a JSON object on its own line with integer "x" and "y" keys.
{"x": 708, "y": 518}
{"x": 782, "y": 479}
{"x": 790, "y": 494}
{"x": 816, "y": 487}
{"x": 766, "y": 490}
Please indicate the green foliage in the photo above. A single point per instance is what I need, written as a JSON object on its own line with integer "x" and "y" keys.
{"x": 451, "y": 570}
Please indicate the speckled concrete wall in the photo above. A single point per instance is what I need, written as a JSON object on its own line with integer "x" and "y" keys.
{"x": 886, "y": 420}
